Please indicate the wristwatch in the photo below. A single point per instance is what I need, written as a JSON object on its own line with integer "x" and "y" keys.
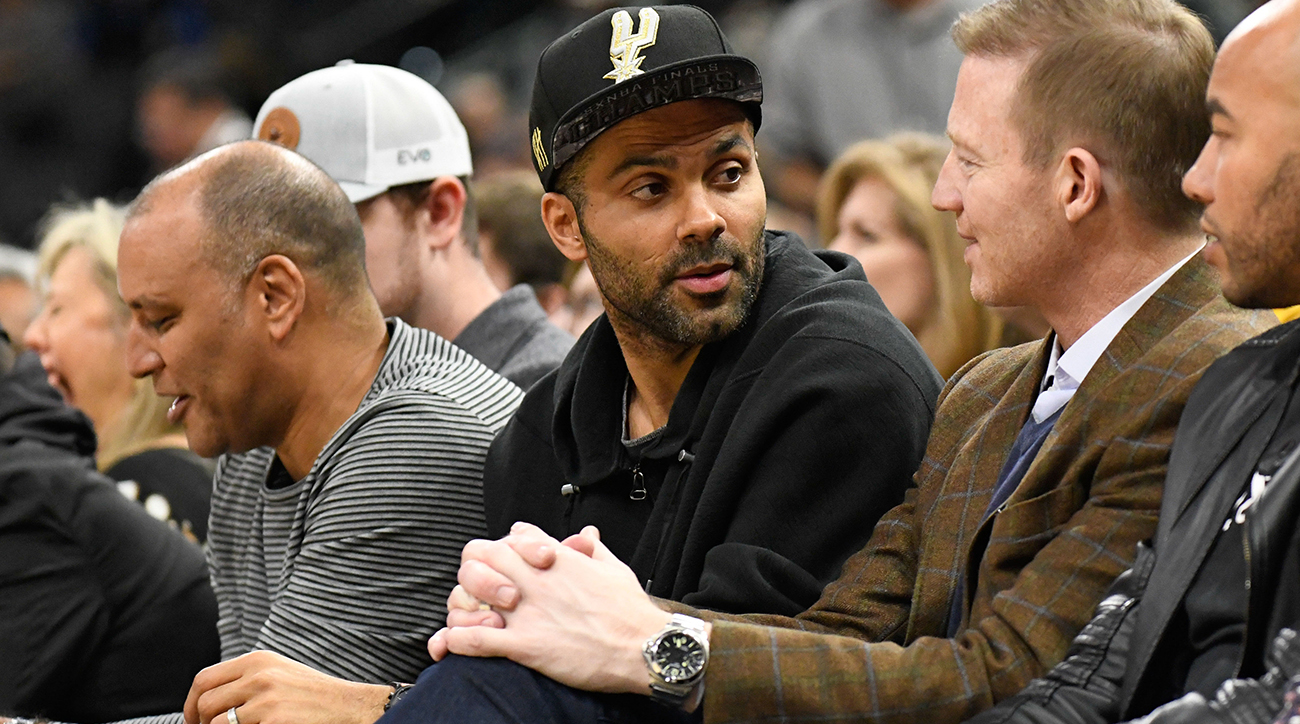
{"x": 676, "y": 656}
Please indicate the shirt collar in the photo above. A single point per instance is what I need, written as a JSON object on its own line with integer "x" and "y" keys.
{"x": 1079, "y": 359}
{"x": 1067, "y": 369}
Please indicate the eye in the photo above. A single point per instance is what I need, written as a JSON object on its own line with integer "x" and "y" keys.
{"x": 650, "y": 191}
{"x": 162, "y": 324}
{"x": 730, "y": 176}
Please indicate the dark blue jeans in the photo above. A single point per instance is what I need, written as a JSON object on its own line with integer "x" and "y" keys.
{"x": 465, "y": 690}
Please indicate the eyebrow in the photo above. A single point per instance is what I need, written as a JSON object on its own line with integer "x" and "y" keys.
{"x": 956, "y": 142}
{"x": 1215, "y": 108}
{"x": 146, "y": 301}
{"x": 669, "y": 162}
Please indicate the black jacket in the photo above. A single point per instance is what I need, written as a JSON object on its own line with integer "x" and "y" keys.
{"x": 786, "y": 442}
{"x": 1134, "y": 655}
{"x": 105, "y": 613}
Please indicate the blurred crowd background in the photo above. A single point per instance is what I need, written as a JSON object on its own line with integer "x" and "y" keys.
{"x": 97, "y": 96}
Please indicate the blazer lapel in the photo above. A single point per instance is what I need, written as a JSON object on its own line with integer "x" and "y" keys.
{"x": 1189, "y": 289}
{"x": 967, "y": 488}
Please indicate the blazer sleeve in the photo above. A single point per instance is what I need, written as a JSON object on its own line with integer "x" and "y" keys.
{"x": 841, "y": 428}
{"x": 796, "y": 675}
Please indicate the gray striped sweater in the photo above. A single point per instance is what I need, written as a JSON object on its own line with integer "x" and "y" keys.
{"x": 348, "y": 570}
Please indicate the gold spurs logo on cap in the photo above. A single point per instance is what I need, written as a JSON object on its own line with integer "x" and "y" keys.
{"x": 625, "y": 48}
{"x": 539, "y": 150}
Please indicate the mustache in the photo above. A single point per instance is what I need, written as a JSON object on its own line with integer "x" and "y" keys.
{"x": 718, "y": 250}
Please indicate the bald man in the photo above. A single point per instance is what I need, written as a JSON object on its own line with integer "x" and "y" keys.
{"x": 351, "y": 448}
{"x": 1202, "y": 628}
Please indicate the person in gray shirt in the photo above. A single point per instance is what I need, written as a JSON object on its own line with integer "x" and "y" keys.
{"x": 402, "y": 156}
{"x": 840, "y": 71}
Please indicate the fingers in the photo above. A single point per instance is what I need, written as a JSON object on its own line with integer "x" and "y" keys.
{"x": 532, "y": 544}
{"x": 213, "y": 704}
{"x": 207, "y": 680}
{"x": 599, "y": 552}
{"x": 484, "y": 583}
{"x": 536, "y": 553}
{"x": 490, "y": 570}
{"x": 437, "y": 645}
{"x": 528, "y": 530}
{"x": 457, "y": 619}
{"x": 478, "y": 641}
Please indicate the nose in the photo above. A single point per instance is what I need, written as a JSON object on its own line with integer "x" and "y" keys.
{"x": 142, "y": 359}
{"x": 1197, "y": 183}
{"x": 700, "y": 219}
{"x": 945, "y": 196}
{"x": 37, "y": 335}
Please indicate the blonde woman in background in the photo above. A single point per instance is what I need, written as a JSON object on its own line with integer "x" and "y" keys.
{"x": 80, "y": 335}
{"x": 874, "y": 204}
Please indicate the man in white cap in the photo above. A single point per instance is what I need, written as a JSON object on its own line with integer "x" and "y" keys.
{"x": 402, "y": 156}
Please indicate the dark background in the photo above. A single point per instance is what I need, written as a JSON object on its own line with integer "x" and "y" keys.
{"x": 71, "y": 71}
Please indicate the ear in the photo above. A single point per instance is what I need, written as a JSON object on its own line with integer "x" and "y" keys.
{"x": 561, "y": 220}
{"x": 442, "y": 217}
{"x": 279, "y": 294}
{"x": 1078, "y": 184}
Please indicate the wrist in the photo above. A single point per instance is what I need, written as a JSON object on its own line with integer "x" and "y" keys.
{"x": 638, "y": 678}
{"x": 371, "y": 699}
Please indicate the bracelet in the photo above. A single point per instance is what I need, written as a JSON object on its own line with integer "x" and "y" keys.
{"x": 399, "y": 690}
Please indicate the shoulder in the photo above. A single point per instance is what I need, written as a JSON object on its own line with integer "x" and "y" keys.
{"x": 981, "y": 383}
{"x": 544, "y": 349}
{"x": 819, "y": 305}
{"x": 426, "y": 378}
{"x": 1213, "y": 330}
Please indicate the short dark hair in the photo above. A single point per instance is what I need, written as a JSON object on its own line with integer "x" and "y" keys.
{"x": 256, "y": 199}
{"x": 510, "y": 209}
{"x": 412, "y": 196}
{"x": 568, "y": 182}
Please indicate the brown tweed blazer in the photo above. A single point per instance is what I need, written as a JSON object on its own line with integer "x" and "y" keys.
{"x": 1038, "y": 567}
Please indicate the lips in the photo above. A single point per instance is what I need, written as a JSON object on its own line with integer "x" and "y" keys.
{"x": 57, "y": 382}
{"x": 176, "y": 412}
{"x": 706, "y": 278}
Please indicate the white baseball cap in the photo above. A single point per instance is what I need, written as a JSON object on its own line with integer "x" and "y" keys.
{"x": 371, "y": 127}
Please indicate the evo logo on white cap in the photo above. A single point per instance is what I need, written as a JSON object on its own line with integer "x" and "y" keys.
{"x": 370, "y": 127}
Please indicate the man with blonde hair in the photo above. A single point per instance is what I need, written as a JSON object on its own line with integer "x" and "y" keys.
{"x": 1045, "y": 465}
{"x": 1203, "y": 627}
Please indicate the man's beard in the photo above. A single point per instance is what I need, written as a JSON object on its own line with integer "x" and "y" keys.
{"x": 1266, "y": 257}
{"x": 644, "y": 296}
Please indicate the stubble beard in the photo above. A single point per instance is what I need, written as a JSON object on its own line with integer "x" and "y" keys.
{"x": 643, "y": 299}
{"x": 1265, "y": 261}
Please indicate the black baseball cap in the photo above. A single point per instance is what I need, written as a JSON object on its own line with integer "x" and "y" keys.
{"x": 625, "y": 61}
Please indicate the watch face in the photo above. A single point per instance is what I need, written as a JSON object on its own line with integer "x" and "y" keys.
{"x": 678, "y": 657}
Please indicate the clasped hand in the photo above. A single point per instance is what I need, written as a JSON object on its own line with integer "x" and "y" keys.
{"x": 570, "y": 610}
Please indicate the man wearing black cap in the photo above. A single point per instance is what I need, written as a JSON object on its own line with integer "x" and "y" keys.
{"x": 746, "y": 409}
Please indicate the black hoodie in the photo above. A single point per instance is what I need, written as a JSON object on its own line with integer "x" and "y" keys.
{"x": 105, "y": 613}
{"x": 784, "y": 445}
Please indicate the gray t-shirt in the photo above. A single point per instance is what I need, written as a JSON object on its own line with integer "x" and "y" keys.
{"x": 514, "y": 337}
{"x": 840, "y": 71}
